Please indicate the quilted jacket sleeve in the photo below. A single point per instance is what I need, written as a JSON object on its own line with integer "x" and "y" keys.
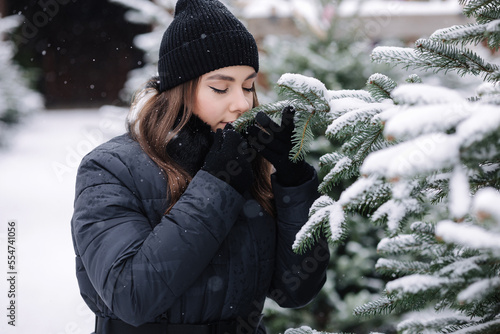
{"x": 136, "y": 269}
{"x": 298, "y": 277}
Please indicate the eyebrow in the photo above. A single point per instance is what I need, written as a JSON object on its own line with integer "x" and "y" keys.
{"x": 228, "y": 78}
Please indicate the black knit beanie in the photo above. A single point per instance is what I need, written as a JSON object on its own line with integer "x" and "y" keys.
{"x": 204, "y": 36}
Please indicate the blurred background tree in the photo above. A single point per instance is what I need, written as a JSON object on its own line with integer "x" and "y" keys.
{"x": 17, "y": 98}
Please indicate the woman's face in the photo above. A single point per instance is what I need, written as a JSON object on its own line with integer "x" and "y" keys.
{"x": 224, "y": 94}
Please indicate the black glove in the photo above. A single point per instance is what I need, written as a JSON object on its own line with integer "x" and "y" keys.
{"x": 274, "y": 143}
{"x": 229, "y": 159}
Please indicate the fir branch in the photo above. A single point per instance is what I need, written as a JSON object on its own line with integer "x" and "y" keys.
{"x": 302, "y": 136}
{"x": 248, "y": 118}
{"x": 487, "y": 327}
{"x": 479, "y": 290}
{"x": 441, "y": 324}
{"x": 423, "y": 228}
{"x": 413, "y": 78}
{"x": 395, "y": 211}
{"x": 374, "y": 141}
{"x": 365, "y": 193}
{"x": 306, "y": 330}
{"x": 472, "y": 8}
{"x": 340, "y": 168}
{"x": 346, "y": 123}
{"x": 309, "y": 92}
{"x": 442, "y": 57}
{"x": 407, "y": 57}
{"x": 324, "y": 212}
{"x": 390, "y": 267}
{"x": 356, "y": 94}
{"x": 307, "y": 95}
{"x": 486, "y": 15}
{"x": 460, "y": 34}
{"x": 400, "y": 244}
{"x": 380, "y": 86}
{"x": 382, "y": 305}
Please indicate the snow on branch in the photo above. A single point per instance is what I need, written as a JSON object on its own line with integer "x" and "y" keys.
{"x": 340, "y": 106}
{"x": 411, "y": 94}
{"x": 349, "y": 93}
{"x": 400, "y": 244}
{"x": 463, "y": 267}
{"x": 394, "y": 211}
{"x": 444, "y": 57}
{"x": 485, "y": 204}
{"x": 407, "y": 57}
{"x": 484, "y": 121}
{"x": 467, "y": 235}
{"x": 413, "y": 284}
{"x": 305, "y": 88}
{"x": 460, "y": 34}
{"x": 460, "y": 197}
{"x": 324, "y": 211}
{"x": 479, "y": 290}
{"x": 354, "y": 117}
{"x": 421, "y": 155}
{"x": 411, "y": 122}
{"x": 421, "y": 321}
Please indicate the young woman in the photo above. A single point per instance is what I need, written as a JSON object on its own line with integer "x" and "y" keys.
{"x": 179, "y": 226}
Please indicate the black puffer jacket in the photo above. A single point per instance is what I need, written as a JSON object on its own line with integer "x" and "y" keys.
{"x": 215, "y": 256}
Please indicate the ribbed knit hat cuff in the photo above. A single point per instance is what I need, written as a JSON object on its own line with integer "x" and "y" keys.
{"x": 206, "y": 54}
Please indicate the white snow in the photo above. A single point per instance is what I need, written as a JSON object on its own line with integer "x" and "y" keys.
{"x": 415, "y": 283}
{"x": 486, "y": 204}
{"x": 413, "y": 121}
{"x": 349, "y": 93}
{"x": 341, "y": 106}
{"x": 424, "y": 94}
{"x": 460, "y": 198}
{"x": 493, "y": 26}
{"x": 353, "y": 117}
{"x": 362, "y": 185}
{"x": 462, "y": 267}
{"x": 395, "y": 211}
{"x": 323, "y": 207}
{"x": 402, "y": 241}
{"x": 485, "y": 120}
{"x": 37, "y": 178}
{"x": 424, "y": 154}
{"x": 478, "y": 290}
{"x": 479, "y": 328}
{"x": 468, "y": 235}
{"x": 298, "y": 81}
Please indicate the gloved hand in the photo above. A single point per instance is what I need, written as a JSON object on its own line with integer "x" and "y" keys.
{"x": 229, "y": 159}
{"x": 274, "y": 143}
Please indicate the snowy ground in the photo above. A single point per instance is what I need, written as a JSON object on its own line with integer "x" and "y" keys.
{"x": 37, "y": 177}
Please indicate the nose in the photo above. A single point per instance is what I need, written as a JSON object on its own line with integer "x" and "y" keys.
{"x": 239, "y": 103}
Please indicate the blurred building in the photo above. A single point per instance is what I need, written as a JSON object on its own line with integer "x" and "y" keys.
{"x": 373, "y": 19}
{"x": 78, "y": 52}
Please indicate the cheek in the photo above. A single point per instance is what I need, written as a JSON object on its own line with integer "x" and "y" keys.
{"x": 249, "y": 99}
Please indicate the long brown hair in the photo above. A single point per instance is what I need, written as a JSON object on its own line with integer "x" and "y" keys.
{"x": 152, "y": 123}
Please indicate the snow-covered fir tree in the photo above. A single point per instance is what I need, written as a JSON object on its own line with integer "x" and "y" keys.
{"x": 427, "y": 163}
{"x": 158, "y": 14}
{"x": 16, "y": 97}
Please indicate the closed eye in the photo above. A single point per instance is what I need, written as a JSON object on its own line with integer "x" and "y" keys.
{"x": 218, "y": 91}
{"x": 251, "y": 89}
